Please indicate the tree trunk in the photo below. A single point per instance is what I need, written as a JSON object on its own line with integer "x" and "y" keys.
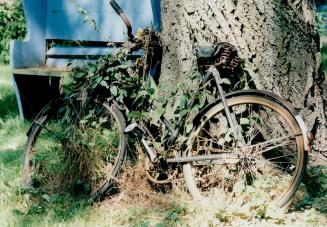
{"x": 278, "y": 40}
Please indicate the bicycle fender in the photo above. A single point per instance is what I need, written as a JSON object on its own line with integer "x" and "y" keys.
{"x": 307, "y": 135}
{"x": 36, "y": 122}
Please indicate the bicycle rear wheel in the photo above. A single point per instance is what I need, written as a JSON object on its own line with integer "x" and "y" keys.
{"x": 81, "y": 146}
{"x": 269, "y": 164}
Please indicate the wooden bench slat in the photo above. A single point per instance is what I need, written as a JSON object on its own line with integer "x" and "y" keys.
{"x": 64, "y": 51}
{"x": 80, "y": 51}
{"x": 53, "y": 72}
{"x": 67, "y": 62}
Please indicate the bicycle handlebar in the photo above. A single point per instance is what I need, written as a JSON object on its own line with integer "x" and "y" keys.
{"x": 121, "y": 13}
{"x": 116, "y": 7}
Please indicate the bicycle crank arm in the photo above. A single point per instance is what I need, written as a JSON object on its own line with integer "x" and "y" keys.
{"x": 218, "y": 159}
{"x": 152, "y": 154}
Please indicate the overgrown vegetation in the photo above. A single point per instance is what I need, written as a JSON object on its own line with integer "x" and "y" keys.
{"x": 137, "y": 204}
{"x": 12, "y": 27}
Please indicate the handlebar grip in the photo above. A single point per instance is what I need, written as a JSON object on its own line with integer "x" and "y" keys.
{"x": 116, "y": 7}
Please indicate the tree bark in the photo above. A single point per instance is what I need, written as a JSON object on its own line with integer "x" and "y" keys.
{"x": 278, "y": 40}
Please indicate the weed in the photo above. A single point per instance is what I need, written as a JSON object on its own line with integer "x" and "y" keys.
{"x": 315, "y": 183}
{"x": 173, "y": 214}
{"x": 8, "y": 104}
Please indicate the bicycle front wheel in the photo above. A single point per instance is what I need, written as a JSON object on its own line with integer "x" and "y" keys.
{"x": 268, "y": 163}
{"x": 82, "y": 148}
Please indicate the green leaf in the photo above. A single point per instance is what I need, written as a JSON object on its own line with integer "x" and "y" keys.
{"x": 103, "y": 119}
{"x": 183, "y": 101}
{"x": 156, "y": 115}
{"x": 114, "y": 90}
{"x": 189, "y": 127}
{"x": 224, "y": 81}
{"x": 104, "y": 84}
{"x": 203, "y": 100}
{"x": 244, "y": 121}
{"x": 98, "y": 79}
{"x": 83, "y": 121}
{"x": 151, "y": 91}
{"x": 140, "y": 95}
{"x": 161, "y": 100}
{"x": 122, "y": 66}
{"x": 46, "y": 198}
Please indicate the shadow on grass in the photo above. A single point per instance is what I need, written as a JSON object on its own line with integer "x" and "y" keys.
{"x": 40, "y": 207}
{"x": 44, "y": 209}
{"x": 315, "y": 183}
{"x": 8, "y": 103}
{"x": 31, "y": 206}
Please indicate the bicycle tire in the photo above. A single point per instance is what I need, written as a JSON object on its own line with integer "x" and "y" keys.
{"x": 292, "y": 158}
{"x": 39, "y": 131}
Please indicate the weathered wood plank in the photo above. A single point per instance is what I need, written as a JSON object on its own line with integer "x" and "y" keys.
{"x": 52, "y": 72}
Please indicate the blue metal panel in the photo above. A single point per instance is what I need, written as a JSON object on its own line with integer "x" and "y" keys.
{"x": 31, "y": 52}
{"x": 65, "y": 20}
{"x": 157, "y": 15}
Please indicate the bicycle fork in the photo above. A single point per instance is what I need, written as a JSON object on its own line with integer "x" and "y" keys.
{"x": 236, "y": 128}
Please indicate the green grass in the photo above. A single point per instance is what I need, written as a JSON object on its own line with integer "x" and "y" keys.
{"x": 8, "y": 107}
{"x": 133, "y": 206}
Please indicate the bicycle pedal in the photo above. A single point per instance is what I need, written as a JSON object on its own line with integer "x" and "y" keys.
{"x": 130, "y": 127}
{"x": 135, "y": 129}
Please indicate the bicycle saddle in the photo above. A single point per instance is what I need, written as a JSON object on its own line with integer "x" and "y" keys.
{"x": 223, "y": 55}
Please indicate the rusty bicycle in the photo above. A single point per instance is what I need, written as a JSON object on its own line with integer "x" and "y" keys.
{"x": 246, "y": 137}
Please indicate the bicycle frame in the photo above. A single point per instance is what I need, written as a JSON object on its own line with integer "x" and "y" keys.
{"x": 211, "y": 72}
{"x": 174, "y": 132}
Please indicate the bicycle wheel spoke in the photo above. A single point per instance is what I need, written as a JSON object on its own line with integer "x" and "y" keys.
{"x": 272, "y": 144}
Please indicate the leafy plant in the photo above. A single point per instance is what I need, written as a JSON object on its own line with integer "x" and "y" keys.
{"x": 12, "y": 26}
{"x": 316, "y": 186}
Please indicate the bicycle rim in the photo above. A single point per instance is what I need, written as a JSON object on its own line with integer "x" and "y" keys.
{"x": 270, "y": 164}
{"x": 84, "y": 153}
